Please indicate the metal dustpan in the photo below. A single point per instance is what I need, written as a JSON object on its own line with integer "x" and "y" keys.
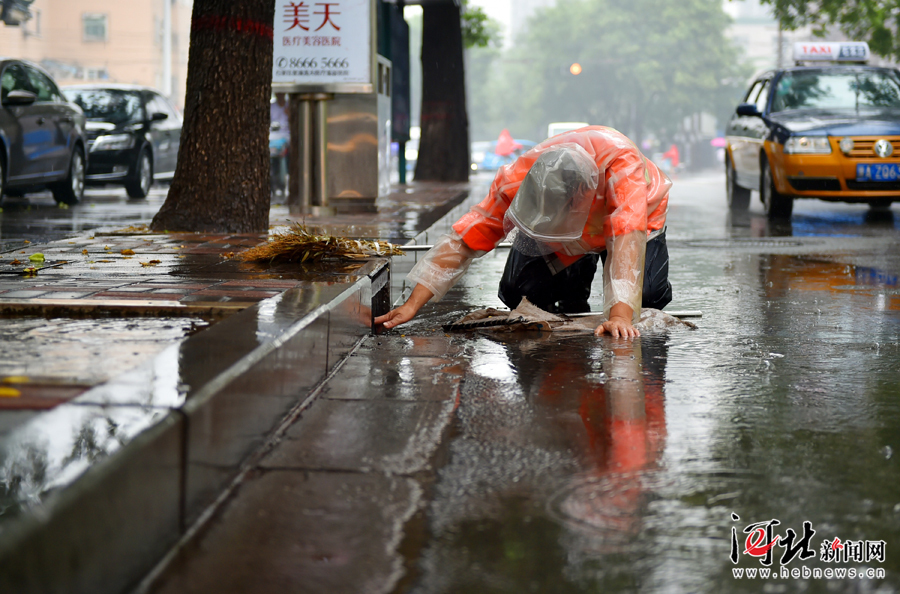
{"x": 488, "y": 322}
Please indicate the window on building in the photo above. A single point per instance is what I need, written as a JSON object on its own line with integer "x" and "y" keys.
{"x": 95, "y": 27}
{"x": 95, "y": 74}
{"x": 32, "y": 27}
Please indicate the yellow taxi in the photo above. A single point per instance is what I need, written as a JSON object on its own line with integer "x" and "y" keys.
{"x": 828, "y": 128}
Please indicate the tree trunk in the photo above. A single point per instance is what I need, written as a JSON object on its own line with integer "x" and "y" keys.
{"x": 444, "y": 145}
{"x": 222, "y": 181}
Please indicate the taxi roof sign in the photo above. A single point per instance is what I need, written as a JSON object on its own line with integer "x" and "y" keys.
{"x": 831, "y": 51}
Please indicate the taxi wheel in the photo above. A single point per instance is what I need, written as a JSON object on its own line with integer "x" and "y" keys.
{"x": 776, "y": 205}
{"x": 738, "y": 196}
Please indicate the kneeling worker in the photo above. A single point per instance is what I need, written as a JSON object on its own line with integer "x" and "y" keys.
{"x": 574, "y": 199}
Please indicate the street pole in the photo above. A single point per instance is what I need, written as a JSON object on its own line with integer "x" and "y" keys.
{"x": 780, "y": 43}
{"x": 167, "y": 49}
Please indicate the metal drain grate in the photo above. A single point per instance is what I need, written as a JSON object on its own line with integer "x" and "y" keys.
{"x": 744, "y": 243}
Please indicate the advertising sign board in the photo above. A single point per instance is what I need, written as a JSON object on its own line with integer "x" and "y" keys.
{"x": 323, "y": 46}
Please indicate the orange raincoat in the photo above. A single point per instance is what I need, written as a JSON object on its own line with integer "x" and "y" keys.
{"x": 631, "y": 202}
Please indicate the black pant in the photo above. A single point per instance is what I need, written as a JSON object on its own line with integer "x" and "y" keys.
{"x": 568, "y": 290}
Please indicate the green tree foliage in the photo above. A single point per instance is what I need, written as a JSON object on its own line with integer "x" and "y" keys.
{"x": 645, "y": 65}
{"x": 874, "y": 21}
{"x": 478, "y": 29}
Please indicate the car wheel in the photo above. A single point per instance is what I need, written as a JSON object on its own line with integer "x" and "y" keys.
{"x": 71, "y": 190}
{"x": 776, "y": 205}
{"x": 139, "y": 186}
{"x": 738, "y": 196}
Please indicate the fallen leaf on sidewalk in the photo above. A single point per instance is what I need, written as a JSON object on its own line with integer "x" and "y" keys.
{"x": 84, "y": 251}
{"x": 15, "y": 379}
{"x": 151, "y": 263}
{"x": 15, "y": 262}
{"x": 127, "y": 252}
{"x": 9, "y": 392}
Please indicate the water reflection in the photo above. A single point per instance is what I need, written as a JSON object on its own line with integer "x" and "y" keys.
{"x": 553, "y": 466}
{"x": 817, "y": 223}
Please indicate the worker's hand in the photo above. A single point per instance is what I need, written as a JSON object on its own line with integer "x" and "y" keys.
{"x": 398, "y": 316}
{"x": 617, "y": 328}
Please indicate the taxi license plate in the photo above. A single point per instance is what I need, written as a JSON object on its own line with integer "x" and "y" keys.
{"x": 878, "y": 172}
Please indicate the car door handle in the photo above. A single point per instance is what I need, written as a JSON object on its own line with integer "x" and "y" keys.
{"x": 40, "y": 121}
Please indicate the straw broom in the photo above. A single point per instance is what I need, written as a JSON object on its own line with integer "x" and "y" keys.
{"x": 299, "y": 245}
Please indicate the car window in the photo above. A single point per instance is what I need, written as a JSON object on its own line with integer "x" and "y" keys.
{"x": 108, "y": 105}
{"x": 14, "y": 78}
{"x": 839, "y": 89}
{"x": 763, "y": 97}
{"x": 158, "y": 103}
{"x": 753, "y": 92}
{"x": 44, "y": 87}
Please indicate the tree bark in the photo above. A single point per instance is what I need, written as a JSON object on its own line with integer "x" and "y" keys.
{"x": 222, "y": 181}
{"x": 444, "y": 145}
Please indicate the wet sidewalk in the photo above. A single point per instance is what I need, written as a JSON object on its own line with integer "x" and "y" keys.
{"x": 547, "y": 463}
{"x": 141, "y": 370}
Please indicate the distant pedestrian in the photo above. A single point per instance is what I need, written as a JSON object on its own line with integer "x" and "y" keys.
{"x": 575, "y": 199}
{"x": 278, "y": 110}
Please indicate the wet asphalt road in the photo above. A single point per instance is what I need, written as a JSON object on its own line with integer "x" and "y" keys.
{"x": 37, "y": 218}
{"x": 598, "y": 465}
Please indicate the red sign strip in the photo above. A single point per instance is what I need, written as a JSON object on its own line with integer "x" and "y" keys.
{"x": 218, "y": 23}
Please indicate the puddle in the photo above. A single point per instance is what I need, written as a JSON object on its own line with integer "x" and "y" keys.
{"x": 85, "y": 351}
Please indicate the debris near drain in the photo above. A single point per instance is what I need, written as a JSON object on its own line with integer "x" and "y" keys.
{"x": 299, "y": 245}
{"x": 528, "y": 316}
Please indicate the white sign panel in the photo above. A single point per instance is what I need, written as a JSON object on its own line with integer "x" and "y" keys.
{"x": 322, "y": 42}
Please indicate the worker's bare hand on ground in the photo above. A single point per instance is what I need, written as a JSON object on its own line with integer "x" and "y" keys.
{"x": 400, "y": 315}
{"x": 617, "y": 328}
{"x": 619, "y": 323}
{"x": 395, "y": 317}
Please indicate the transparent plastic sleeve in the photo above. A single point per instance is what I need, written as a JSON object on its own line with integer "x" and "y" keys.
{"x": 623, "y": 273}
{"x": 443, "y": 265}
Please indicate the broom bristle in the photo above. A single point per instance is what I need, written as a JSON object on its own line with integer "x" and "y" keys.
{"x": 299, "y": 245}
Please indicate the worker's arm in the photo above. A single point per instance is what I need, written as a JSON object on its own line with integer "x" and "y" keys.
{"x": 438, "y": 270}
{"x": 625, "y": 230}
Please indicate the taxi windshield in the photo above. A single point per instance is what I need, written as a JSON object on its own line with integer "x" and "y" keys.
{"x": 837, "y": 90}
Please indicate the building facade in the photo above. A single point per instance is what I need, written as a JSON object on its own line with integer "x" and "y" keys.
{"x": 123, "y": 41}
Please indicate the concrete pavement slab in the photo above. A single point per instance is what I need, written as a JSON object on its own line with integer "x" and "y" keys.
{"x": 297, "y": 531}
{"x": 383, "y": 435}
